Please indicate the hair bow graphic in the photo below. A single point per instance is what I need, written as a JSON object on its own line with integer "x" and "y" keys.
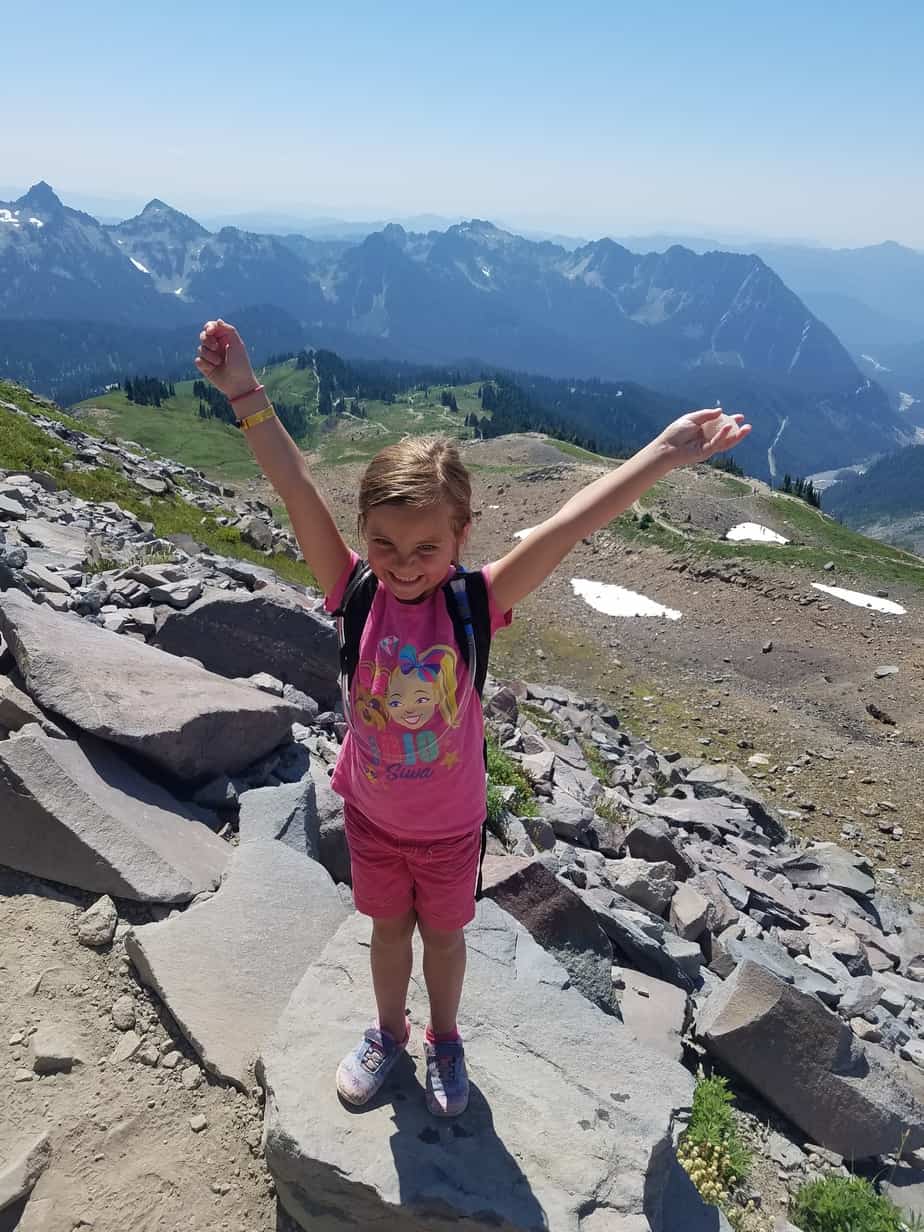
{"x": 426, "y": 668}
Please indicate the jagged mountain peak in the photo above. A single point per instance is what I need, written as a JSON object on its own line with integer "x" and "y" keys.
{"x": 41, "y": 196}
{"x": 159, "y": 213}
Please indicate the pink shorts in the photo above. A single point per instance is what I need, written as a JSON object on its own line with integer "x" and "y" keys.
{"x": 392, "y": 875}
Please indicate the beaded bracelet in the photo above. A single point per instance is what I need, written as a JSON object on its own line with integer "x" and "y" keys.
{"x": 258, "y": 417}
{"x": 256, "y": 390}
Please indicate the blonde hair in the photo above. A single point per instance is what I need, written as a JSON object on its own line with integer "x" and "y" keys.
{"x": 418, "y": 471}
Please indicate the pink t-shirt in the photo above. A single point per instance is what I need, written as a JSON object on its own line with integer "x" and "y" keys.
{"x": 412, "y": 760}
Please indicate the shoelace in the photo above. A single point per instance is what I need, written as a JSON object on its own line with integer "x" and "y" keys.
{"x": 446, "y": 1063}
{"x": 374, "y": 1056}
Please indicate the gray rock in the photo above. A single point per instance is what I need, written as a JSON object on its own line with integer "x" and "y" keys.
{"x": 177, "y": 594}
{"x": 43, "y": 578}
{"x": 655, "y": 1012}
{"x": 567, "y": 816}
{"x": 634, "y": 940}
{"x": 226, "y": 969}
{"x": 557, "y": 918}
{"x": 651, "y": 839}
{"x": 76, "y": 813}
{"x": 55, "y": 1048}
{"x": 23, "y": 1166}
{"x": 274, "y": 630}
{"x": 650, "y": 885}
{"x": 774, "y": 958}
{"x": 710, "y": 779}
{"x": 189, "y": 722}
{"x": 66, "y": 541}
{"x": 10, "y": 508}
{"x": 723, "y": 911}
{"x": 16, "y": 707}
{"x": 825, "y": 865}
{"x": 126, "y": 1048}
{"x": 531, "y": 1044}
{"x": 859, "y": 996}
{"x": 123, "y": 1012}
{"x": 689, "y": 913}
{"x": 96, "y": 926}
{"x": 806, "y": 1062}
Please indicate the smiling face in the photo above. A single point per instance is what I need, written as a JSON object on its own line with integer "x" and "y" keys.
{"x": 411, "y": 701}
{"x": 410, "y": 550}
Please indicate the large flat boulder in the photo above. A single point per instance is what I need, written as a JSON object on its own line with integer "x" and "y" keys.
{"x": 273, "y": 630}
{"x": 75, "y": 812}
{"x": 226, "y": 968}
{"x": 569, "y": 1122}
{"x": 192, "y": 723}
{"x": 854, "y": 1099}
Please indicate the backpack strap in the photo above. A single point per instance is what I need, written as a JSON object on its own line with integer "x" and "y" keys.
{"x": 467, "y": 604}
{"x": 351, "y": 617}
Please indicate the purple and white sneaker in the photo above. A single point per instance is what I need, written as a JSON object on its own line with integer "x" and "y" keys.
{"x": 447, "y": 1081}
{"x": 362, "y": 1072}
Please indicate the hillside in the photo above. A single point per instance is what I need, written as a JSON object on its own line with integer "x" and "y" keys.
{"x": 886, "y": 501}
{"x": 342, "y": 410}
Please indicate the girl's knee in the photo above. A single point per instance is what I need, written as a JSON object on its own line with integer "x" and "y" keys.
{"x": 393, "y": 930}
{"x": 443, "y": 940}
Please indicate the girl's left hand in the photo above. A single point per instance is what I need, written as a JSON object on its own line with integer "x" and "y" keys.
{"x": 698, "y": 435}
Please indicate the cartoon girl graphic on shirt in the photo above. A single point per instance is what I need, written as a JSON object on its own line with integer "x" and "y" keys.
{"x": 407, "y": 696}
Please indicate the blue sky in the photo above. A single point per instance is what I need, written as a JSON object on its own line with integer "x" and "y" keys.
{"x": 753, "y": 119}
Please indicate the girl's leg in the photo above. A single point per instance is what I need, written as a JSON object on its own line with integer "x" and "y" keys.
{"x": 392, "y": 956}
{"x": 444, "y": 971}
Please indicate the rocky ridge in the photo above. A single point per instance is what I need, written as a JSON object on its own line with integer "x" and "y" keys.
{"x": 655, "y": 904}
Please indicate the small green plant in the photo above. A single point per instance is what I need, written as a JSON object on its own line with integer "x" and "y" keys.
{"x": 497, "y": 811}
{"x": 503, "y": 771}
{"x": 597, "y": 764}
{"x": 612, "y": 812}
{"x": 844, "y": 1204}
{"x": 711, "y": 1150}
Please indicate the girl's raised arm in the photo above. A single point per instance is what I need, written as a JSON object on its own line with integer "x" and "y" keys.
{"x": 692, "y": 438}
{"x": 222, "y": 358}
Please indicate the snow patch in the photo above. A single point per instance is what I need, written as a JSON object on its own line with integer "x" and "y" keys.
{"x": 178, "y": 291}
{"x": 617, "y": 601}
{"x": 138, "y": 266}
{"x": 9, "y": 216}
{"x": 753, "y": 532}
{"x": 805, "y": 332}
{"x": 36, "y": 222}
{"x": 486, "y": 271}
{"x": 907, "y": 401}
{"x": 876, "y": 364}
{"x": 858, "y": 599}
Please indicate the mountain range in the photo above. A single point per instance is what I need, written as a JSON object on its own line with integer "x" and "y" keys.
{"x": 708, "y": 326}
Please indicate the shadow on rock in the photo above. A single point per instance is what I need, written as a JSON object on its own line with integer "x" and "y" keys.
{"x": 434, "y": 1157}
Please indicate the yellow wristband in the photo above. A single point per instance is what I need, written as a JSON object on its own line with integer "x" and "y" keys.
{"x": 258, "y": 417}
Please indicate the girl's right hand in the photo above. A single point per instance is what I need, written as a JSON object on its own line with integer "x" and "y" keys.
{"x": 222, "y": 359}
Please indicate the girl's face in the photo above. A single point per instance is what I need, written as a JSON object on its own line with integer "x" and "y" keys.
{"x": 410, "y": 550}
{"x": 411, "y": 701}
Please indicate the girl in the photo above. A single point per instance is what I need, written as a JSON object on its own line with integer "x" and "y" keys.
{"x": 410, "y": 769}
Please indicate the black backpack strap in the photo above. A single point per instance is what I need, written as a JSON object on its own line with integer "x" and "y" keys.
{"x": 478, "y": 614}
{"x": 351, "y": 616}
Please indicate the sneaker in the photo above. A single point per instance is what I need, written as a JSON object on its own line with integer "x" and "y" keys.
{"x": 362, "y": 1072}
{"x": 447, "y": 1081}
